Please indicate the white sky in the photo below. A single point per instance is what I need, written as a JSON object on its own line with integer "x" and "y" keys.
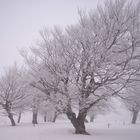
{"x": 21, "y": 20}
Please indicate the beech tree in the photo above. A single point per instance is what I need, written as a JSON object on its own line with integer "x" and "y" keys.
{"x": 89, "y": 62}
{"x": 132, "y": 100}
{"x": 35, "y": 107}
{"x": 12, "y": 92}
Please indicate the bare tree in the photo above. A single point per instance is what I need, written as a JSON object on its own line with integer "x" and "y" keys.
{"x": 49, "y": 110}
{"x": 101, "y": 108}
{"x": 88, "y": 62}
{"x": 23, "y": 108}
{"x": 36, "y": 101}
{"x": 132, "y": 100}
{"x": 12, "y": 92}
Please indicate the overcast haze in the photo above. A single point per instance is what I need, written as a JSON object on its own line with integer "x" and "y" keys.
{"x": 86, "y": 82}
{"x": 21, "y": 20}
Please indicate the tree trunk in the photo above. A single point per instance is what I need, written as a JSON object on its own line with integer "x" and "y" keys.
{"x": 79, "y": 122}
{"x": 92, "y": 118}
{"x": 10, "y": 116}
{"x": 80, "y": 126}
{"x": 86, "y": 121}
{"x": 45, "y": 118}
{"x": 19, "y": 117}
{"x": 34, "y": 120}
{"x": 54, "y": 117}
{"x": 134, "y": 118}
{"x": 7, "y": 108}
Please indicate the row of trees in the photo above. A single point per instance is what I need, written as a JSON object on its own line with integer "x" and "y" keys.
{"x": 86, "y": 64}
{"x": 17, "y": 97}
{"x": 12, "y": 93}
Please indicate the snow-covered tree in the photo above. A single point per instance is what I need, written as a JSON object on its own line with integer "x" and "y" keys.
{"x": 101, "y": 108}
{"x": 23, "y": 108}
{"x": 49, "y": 111}
{"x": 88, "y": 62}
{"x": 12, "y": 92}
{"x": 35, "y": 107}
{"x": 132, "y": 100}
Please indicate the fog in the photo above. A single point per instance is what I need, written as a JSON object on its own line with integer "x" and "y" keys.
{"x": 21, "y": 20}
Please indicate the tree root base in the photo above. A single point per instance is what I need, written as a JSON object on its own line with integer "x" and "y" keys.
{"x": 82, "y": 133}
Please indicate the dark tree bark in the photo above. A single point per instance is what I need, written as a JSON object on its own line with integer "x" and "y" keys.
{"x": 19, "y": 117}
{"x": 45, "y": 118}
{"x": 34, "y": 120}
{"x": 54, "y": 117}
{"x": 86, "y": 121}
{"x": 79, "y": 122}
{"x": 135, "y": 115}
{"x": 10, "y": 116}
{"x": 7, "y": 107}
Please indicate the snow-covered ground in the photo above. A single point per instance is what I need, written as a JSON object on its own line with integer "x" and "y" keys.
{"x": 118, "y": 121}
{"x": 63, "y": 130}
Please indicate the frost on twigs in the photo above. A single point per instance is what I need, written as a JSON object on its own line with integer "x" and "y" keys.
{"x": 89, "y": 62}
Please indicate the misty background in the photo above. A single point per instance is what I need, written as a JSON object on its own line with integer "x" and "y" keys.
{"x": 21, "y": 21}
